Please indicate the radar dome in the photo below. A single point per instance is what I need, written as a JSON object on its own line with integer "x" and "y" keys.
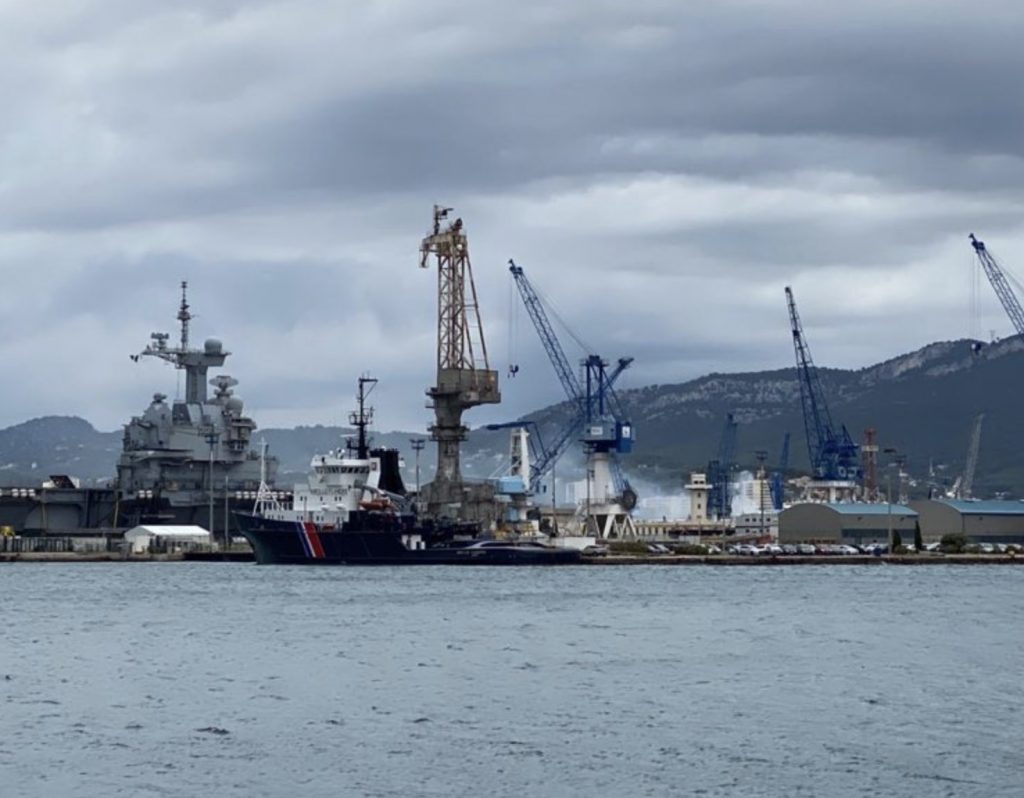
{"x": 235, "y": 405}
{"x": 213, "y": 346}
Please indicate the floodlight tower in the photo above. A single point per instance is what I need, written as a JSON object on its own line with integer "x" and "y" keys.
{"x": 464, "y": 377}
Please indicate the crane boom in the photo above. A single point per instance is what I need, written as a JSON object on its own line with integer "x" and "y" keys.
{"x": 967, "y": 483}
{"x": 591, "y": 404}
{"x": 997, "y": 278}
{"x": 556, "y": 354}
{"x": 833, "y": 454}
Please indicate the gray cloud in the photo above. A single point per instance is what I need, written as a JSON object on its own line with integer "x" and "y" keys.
{"x": 661, "y": 169}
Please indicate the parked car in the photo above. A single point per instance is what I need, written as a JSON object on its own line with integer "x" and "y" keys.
{"x": 773, "y": 549}
{"x": 657, "y": 548}
{"x": 748, "y": 549}
{"x": 846, "y": 549}
{"x": 806, "y": 548}
{"x": 595, "y": 551}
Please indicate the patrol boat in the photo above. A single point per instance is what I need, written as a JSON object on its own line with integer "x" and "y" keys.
{"x": 354, "y": 510}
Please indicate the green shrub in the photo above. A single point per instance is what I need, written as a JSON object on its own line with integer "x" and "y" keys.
{"x": 627, "y": 547}
{"x": 953, "y": 543}
{"x": 689, "y": 548}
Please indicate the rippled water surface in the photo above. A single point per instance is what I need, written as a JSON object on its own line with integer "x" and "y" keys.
{"x": 235, "y": 680}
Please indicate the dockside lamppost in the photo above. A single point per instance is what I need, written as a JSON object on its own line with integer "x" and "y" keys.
{"x": 761, "y": 455}
{"x": 895, "y": 459}
{"x": 417, "y": 446}
{"x": 211, "y": 438}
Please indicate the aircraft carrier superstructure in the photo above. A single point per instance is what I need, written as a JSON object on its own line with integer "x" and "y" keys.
{"x": 175, "y": 458}
{"x": 183, "y": 449}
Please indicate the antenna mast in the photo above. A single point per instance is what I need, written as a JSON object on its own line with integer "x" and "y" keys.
{"x": 362, "y": 418}
{"x": 194, "y": 362}
{"x": 184, "y": 316}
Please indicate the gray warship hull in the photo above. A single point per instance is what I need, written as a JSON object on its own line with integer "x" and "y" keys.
{"x": 174, "y": 457}
{"x": 85, "y": 512}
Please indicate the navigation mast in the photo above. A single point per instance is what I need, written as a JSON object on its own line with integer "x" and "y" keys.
{"x": 362, "y": 418}
{"x": 194, "y": 362}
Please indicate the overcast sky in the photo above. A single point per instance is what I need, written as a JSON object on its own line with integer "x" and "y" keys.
{"x": 660, "y": 169}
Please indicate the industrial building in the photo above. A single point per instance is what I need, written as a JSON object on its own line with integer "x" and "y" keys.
{"x": 845, "y": 523}
{"x": 981, "y": 521}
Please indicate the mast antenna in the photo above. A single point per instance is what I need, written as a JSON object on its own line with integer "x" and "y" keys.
{"x": 266, "y": 499}
{"x": 184, "y": 316}
{"x": 363, "y": 417}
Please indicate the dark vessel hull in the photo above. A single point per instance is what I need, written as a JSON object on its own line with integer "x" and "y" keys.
{"x": 371, "y": 539}
{"x": 95, "y": 511}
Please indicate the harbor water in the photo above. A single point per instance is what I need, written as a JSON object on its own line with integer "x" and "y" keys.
{"x": 185, "y": 679}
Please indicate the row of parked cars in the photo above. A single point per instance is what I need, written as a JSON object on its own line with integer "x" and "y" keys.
{"x": 993, "y": 548}
{"x": 841, "y": 549}
{"x": 776, "y": 550}
{"x": 794, "y": 549}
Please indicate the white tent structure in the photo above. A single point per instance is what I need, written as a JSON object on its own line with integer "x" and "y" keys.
{"x": 168, "y": 538}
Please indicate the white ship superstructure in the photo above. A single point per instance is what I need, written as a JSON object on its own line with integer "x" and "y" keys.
{"x": 339, "y": 482}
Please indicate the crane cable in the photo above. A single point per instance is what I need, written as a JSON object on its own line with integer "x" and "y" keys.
{"x": 513, "y": 330}
{"x": 550, "y": 308}
{"x": 973, "y": 321}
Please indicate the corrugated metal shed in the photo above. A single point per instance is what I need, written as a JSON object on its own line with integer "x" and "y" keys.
{"x": 848, "y": 522}
{"x": 989, "y": 521}
{"x": 985, "y": 507}
{"x": 863, "y": 508}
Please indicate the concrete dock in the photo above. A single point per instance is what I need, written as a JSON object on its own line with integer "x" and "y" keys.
{"x": 606, "y": 560}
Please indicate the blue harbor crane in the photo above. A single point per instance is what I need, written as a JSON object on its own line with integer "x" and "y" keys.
{"x": 833, "y": 454}
{"x": 545, "y": 456}
{"x": 777, "y": 486}
{"x": 1000, "y": 284}
{"x": 719, "y": 471}
{"x": 597, "y": 416}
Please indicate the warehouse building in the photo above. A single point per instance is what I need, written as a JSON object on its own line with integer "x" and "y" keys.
{"x": 981, "y": 521}
{"x": 853, "y": 523}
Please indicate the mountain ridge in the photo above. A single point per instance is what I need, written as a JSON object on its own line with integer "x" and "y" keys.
{"x": 922, "y": 403}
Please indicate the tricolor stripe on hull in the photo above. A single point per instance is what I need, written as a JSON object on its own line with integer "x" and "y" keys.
{"x": 310, "y": 540}
{"x": 314, "y": 540}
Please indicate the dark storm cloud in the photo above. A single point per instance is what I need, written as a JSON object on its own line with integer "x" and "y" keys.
{"x": 662, "y": 169}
